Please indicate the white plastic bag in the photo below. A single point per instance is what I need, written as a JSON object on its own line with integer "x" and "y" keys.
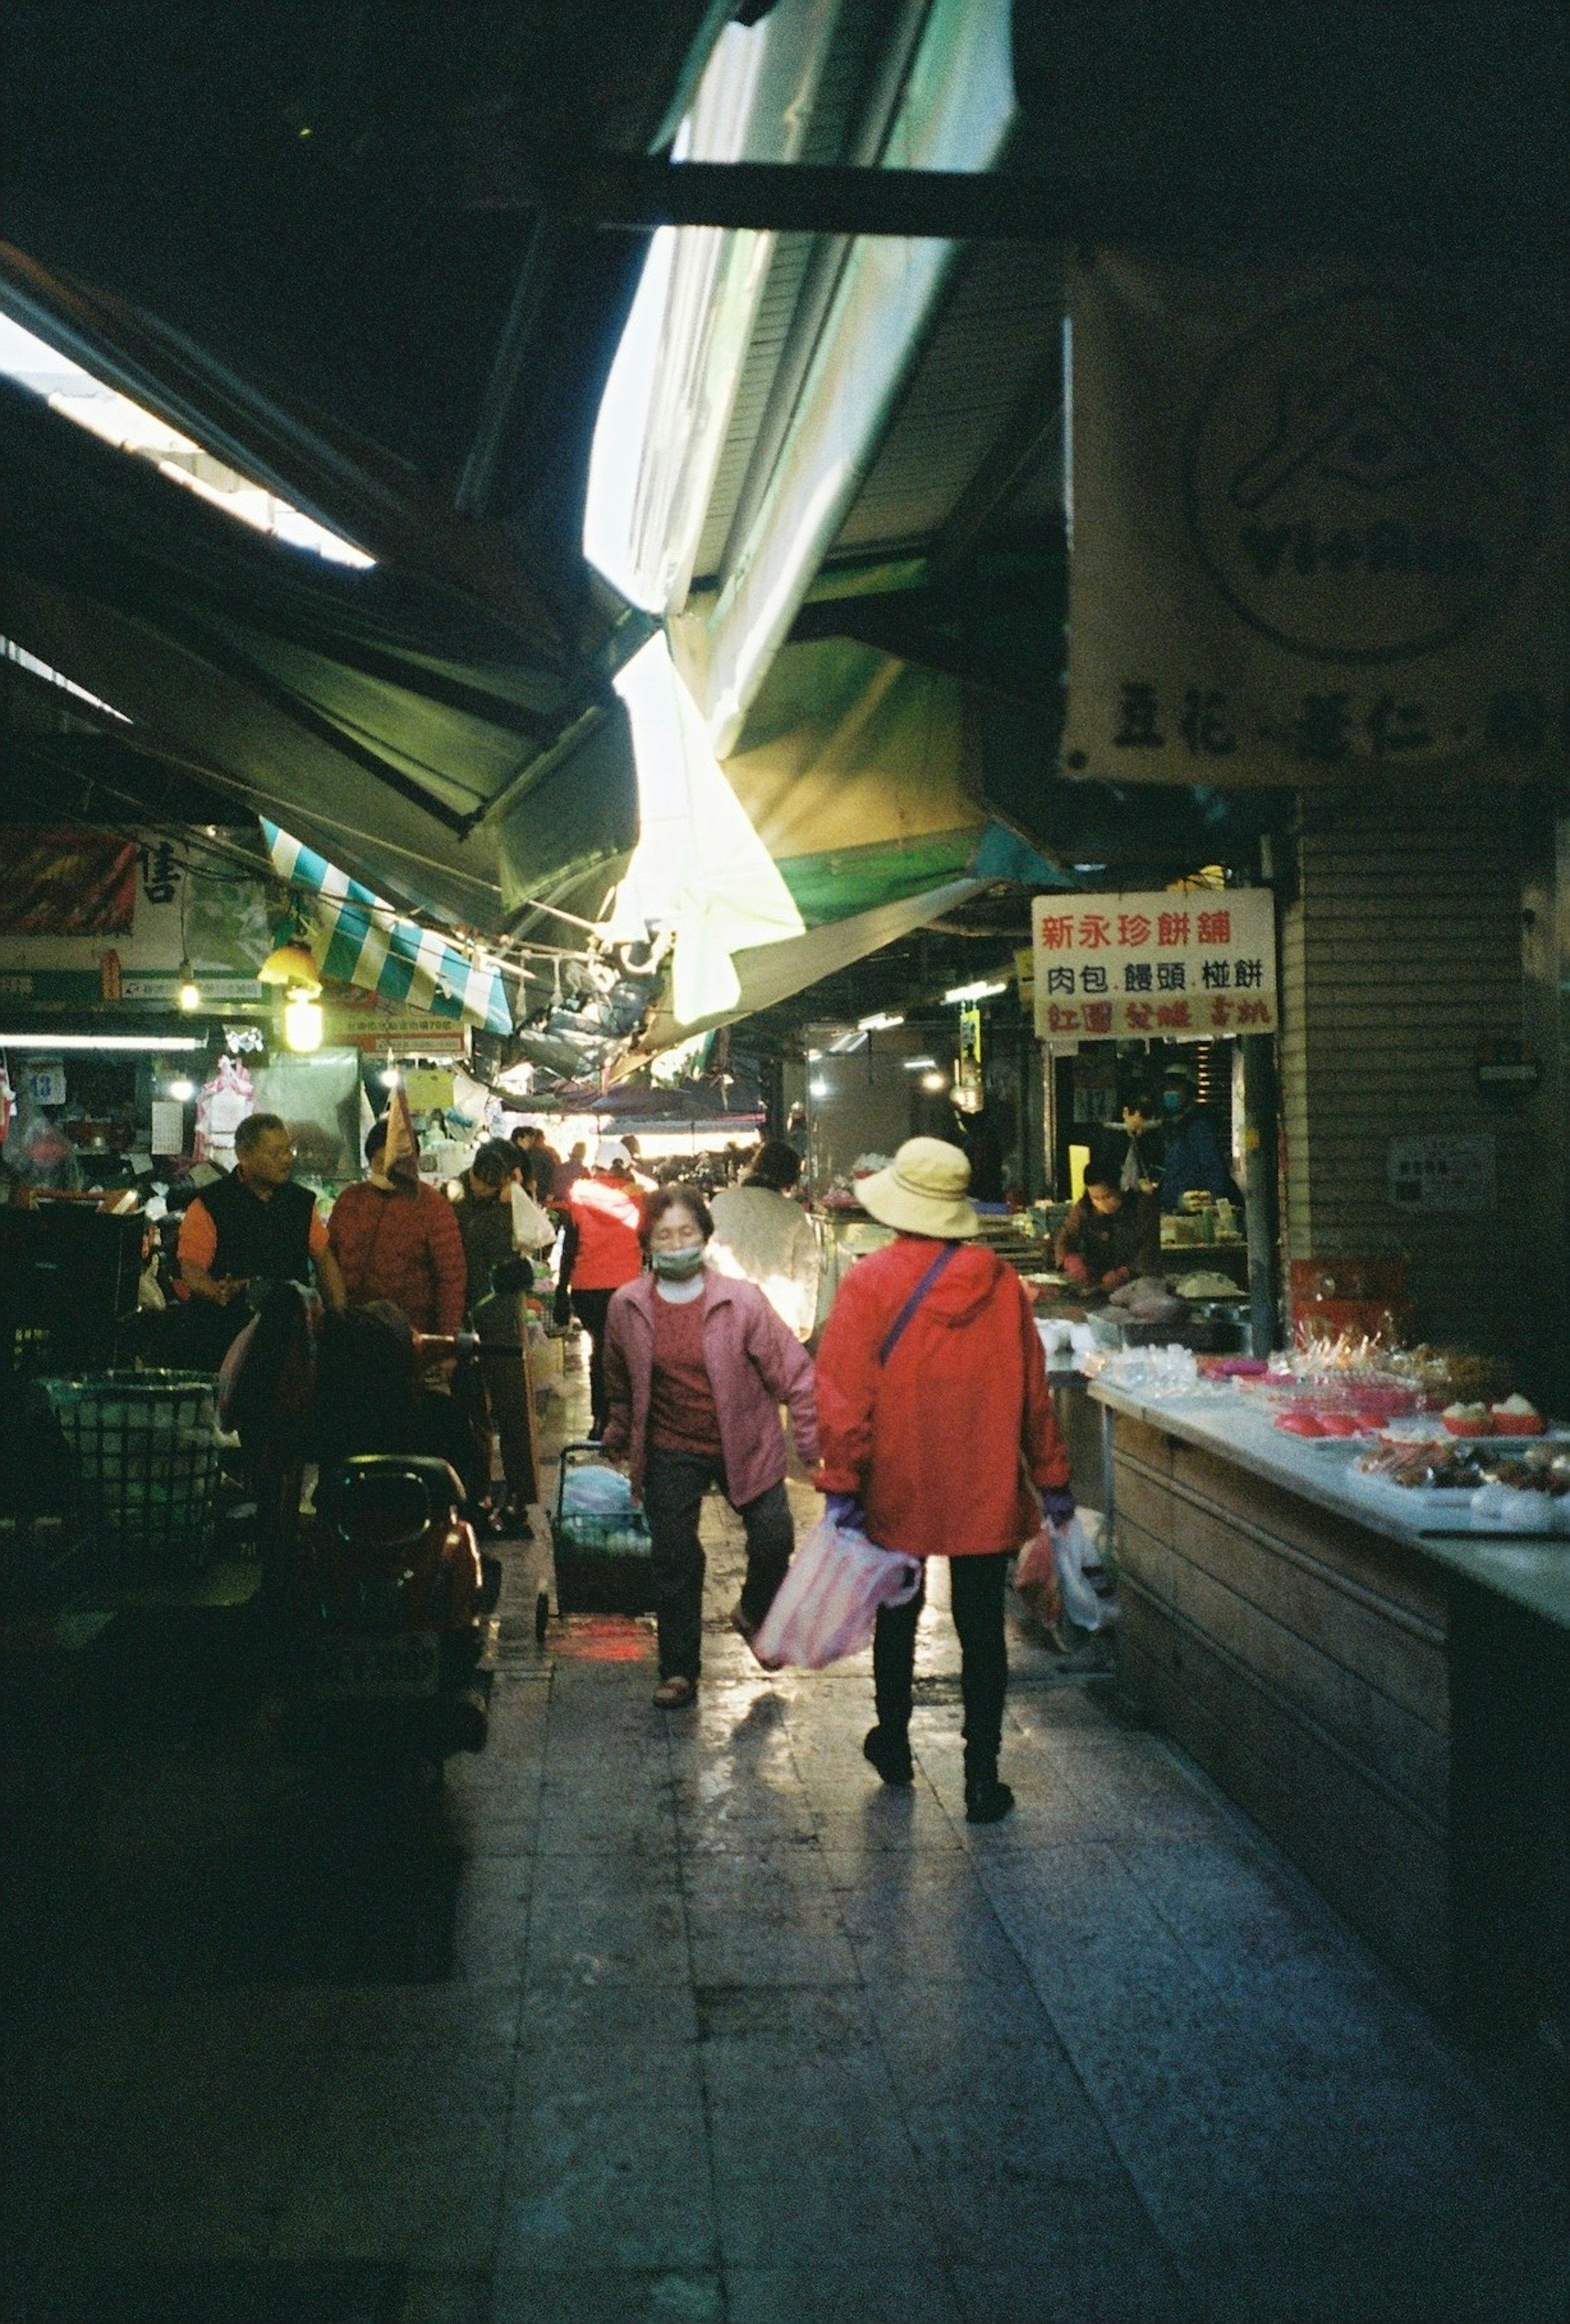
{"x": 1090, "y": 1599}
{"x": 533, "y": 1228}
{"x": 827, "y": 1604}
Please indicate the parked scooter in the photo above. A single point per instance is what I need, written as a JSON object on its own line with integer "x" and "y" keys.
{"x": 392, "y": 1598}
{"x": 382, "y": 1592}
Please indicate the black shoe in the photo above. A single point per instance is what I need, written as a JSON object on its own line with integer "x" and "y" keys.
{"x": 890, "y": 1754}
{"x": 986, "y": 1799}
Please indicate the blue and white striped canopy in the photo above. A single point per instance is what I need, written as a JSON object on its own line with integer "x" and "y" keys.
{"x": 368, "y": 943}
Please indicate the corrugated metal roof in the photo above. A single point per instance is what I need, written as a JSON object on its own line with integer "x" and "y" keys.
{"x": 999, "y": 332}
{"x": 858, "y": 43}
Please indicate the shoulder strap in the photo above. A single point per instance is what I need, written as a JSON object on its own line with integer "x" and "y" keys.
{"x": 895, "y": 1331}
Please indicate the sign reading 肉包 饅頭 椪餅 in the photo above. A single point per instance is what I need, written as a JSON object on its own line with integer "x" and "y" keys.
{"x": 1318, "y": 528}
{"x": 1177, "y": 966}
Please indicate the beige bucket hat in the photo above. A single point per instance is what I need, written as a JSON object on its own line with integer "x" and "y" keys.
{"x": 922, "y": 1191}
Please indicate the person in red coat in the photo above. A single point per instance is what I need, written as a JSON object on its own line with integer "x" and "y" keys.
{"x": 600, "y": 1251}
{"x": 937, "y": 1438}
{"x": 395, "y": 1238}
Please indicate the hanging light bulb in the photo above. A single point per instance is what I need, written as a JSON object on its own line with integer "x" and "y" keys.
{"x": 302, "y": 1022}
{"x": 187, "y": 991}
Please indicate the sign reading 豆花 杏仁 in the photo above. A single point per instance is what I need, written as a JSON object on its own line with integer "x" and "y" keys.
{"x": 1195, "y": 966}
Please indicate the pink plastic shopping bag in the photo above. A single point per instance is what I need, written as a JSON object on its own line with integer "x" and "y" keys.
{"x": 828, "y": 1601}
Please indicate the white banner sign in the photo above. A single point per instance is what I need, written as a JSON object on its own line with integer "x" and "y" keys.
{"x": 1317, "y": 530}
{"x": 1177, "y": 966}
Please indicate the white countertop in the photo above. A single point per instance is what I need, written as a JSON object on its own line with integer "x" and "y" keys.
{"x": 1531, "y": 1569}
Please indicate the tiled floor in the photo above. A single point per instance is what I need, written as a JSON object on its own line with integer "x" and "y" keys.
{"x": 686, "y": 2018}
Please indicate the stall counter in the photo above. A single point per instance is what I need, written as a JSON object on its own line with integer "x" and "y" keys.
{"x": 1532, "y": 1570}
{"x": 1391, "y": 1705}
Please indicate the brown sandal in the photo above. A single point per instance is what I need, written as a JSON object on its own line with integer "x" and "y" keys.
{"x": 675, "y": 1693}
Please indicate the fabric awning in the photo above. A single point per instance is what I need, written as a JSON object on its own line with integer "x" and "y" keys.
{"x": 361, "y": 940}
{"x": 772, "y": 972}
{"x": 392, "y": 724}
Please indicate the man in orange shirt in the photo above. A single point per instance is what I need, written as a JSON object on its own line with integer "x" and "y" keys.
{"x": 255, "y": 1226}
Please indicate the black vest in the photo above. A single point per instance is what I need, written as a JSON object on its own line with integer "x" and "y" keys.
{"x": 271, "y": 1239}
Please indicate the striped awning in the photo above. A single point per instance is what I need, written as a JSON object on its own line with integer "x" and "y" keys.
{"x": 358, "y": 939}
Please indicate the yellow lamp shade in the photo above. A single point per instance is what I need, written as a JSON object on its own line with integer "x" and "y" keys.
{"x": 291, "y": 964}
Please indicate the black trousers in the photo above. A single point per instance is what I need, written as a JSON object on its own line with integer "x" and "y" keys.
{"x": 674, "y": 1485}
{"x": 591, "y": 1308}
{"x": 976, "y": 1587}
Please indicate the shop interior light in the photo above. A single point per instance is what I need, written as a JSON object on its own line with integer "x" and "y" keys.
{"x": 302, "y": 1022}
{"x": 933, "y": 1081}
{"x": 919, "y": 1065}
{"x": 390, "y": 1077}
{"x": 983, "y": 989}
{"x": 119, "y": 1042}
{"x": 182, "y": 1092}
{"x": 818, "y": 1089}
{"x": 884, "y": 1021}
{"x": 188, "y": 993}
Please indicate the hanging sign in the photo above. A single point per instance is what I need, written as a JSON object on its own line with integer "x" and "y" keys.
{"x": 1175, "y": 965}
{"x": 68, "y": 883}
{"x": 44, "y": 1080}
{"x": 1318, "y": 529}
{"x": 1443, "y": 1173}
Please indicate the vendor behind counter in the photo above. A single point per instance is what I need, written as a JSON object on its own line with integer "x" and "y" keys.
{"x": 1110, "y": 1235}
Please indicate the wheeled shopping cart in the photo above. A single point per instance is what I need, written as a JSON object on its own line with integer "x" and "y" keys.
{"x": 603, "y": 1561}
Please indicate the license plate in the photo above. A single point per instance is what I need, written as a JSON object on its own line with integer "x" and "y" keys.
{"x": 376, "y": 1669}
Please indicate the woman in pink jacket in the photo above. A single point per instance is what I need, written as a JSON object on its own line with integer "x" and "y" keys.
{"x": 696, "y": 1367}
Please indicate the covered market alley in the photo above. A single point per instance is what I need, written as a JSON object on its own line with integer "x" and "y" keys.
{"x": 660, "y": 574}
{"x": 643, "y": 2018}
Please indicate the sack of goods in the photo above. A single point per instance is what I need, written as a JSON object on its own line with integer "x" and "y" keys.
{"x": 827, "y": 1605}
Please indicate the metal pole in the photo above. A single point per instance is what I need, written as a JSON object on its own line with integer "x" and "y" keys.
{"x": 1259, "y": 1138}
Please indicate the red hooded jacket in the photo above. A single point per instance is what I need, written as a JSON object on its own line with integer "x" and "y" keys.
{"x": 931, "y": 1441}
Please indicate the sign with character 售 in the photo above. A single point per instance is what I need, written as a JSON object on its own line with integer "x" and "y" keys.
{"x": 1177, "y": 965}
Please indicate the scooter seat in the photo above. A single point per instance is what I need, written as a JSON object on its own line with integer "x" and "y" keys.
{"x": 388, "y": 1499}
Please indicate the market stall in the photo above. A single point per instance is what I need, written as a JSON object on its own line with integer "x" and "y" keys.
{"x": 1367, "y": 1644}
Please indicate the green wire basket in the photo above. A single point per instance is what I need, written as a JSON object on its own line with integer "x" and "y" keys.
{"x": 148, "y": 1456}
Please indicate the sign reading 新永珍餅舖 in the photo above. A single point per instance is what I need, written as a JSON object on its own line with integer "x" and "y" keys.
{"x": 1168, "y": 966}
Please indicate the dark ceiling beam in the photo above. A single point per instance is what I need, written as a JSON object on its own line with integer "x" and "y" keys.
{"x": 1010, "y": 462}
{"x": 637, "y": 193}
{"x": 475, "y": 491}
{"x": 893, "y": 623}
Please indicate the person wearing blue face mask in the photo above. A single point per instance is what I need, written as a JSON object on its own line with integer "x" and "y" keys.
{"x": 698, "y": 1364}
{"x": 1193, "y": 1158}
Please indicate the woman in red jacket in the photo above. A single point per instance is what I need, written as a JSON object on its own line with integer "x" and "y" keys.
{"x": 933, "y": 1413}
